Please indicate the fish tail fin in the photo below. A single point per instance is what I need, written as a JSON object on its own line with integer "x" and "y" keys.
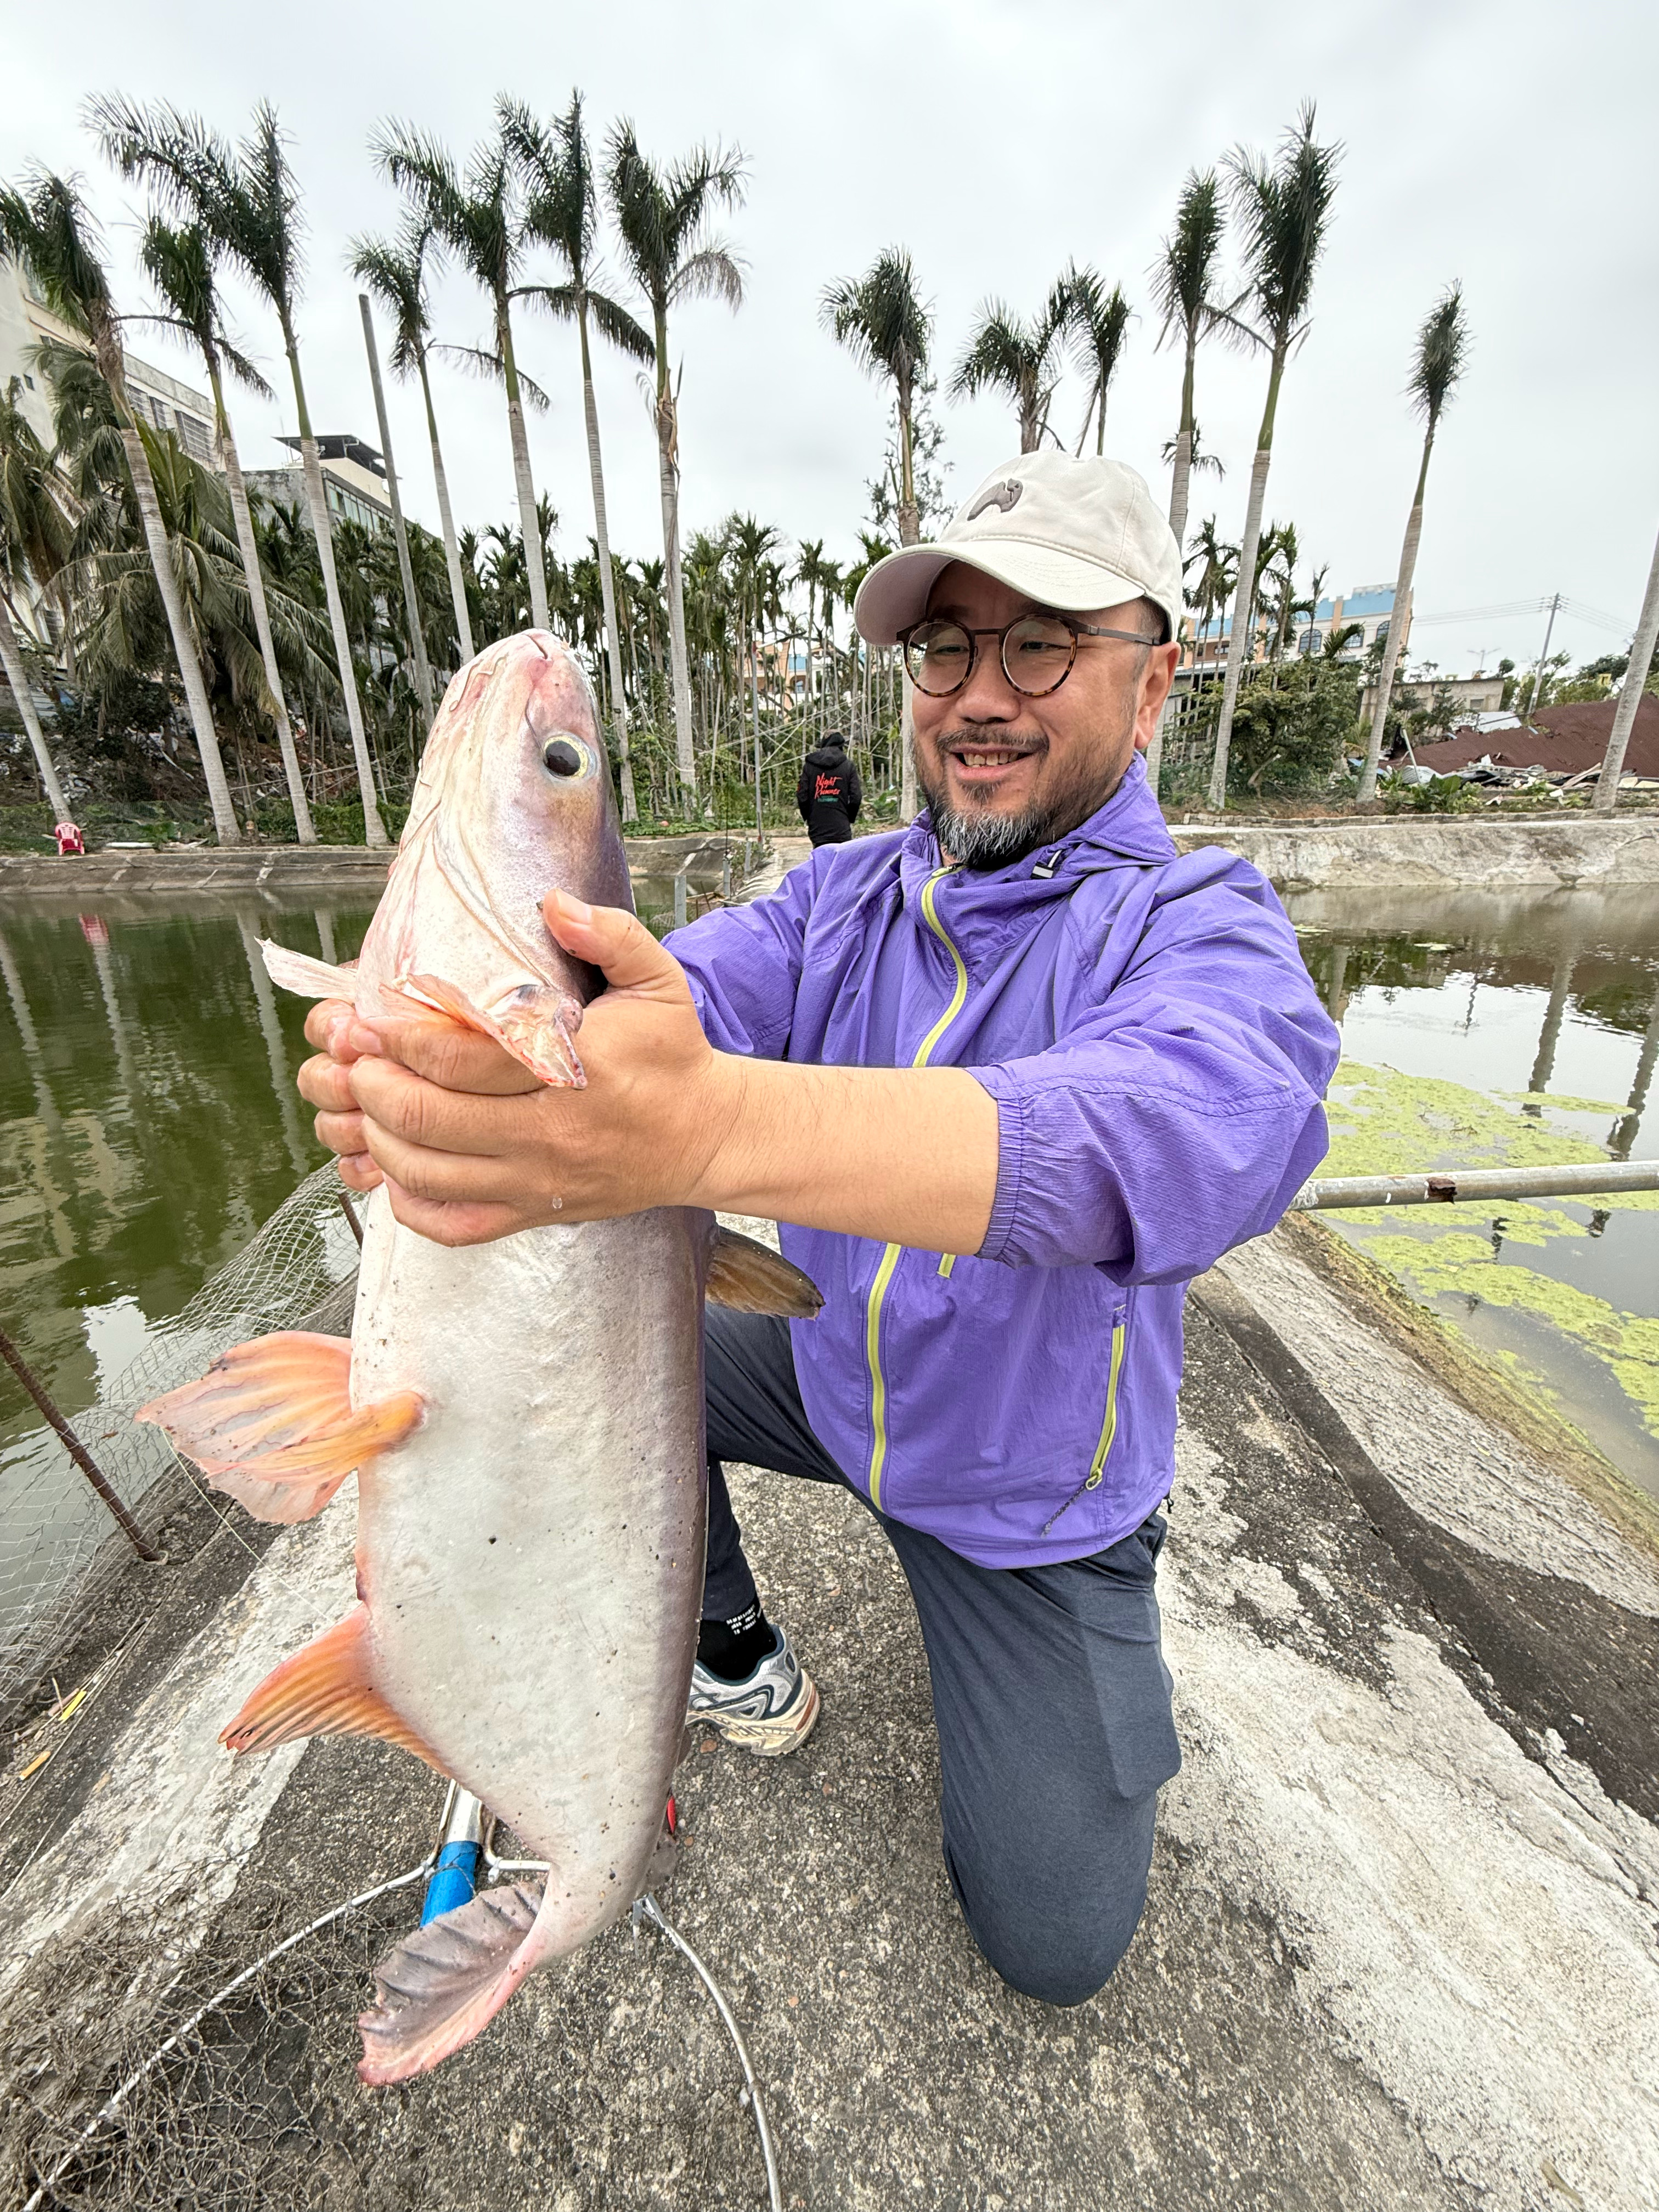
{"x": 437, "y": 1988}
{"x": 308, "y": 978}
{"x": 324, "y": 1689}
{"x": 271, "y": 1422}
{"x": 537, "y": 1026}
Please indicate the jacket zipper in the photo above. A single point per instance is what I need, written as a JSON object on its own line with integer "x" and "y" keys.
{"x": 889, "y": 1258}
{"x": 1108, "y": 1424}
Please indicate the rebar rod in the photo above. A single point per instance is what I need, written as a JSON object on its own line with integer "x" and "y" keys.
{"x": 1458, "y": 1186}
{"x": 77, "y": 1451}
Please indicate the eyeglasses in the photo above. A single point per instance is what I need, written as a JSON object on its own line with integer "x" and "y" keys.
{"x": 1036, "y": 651}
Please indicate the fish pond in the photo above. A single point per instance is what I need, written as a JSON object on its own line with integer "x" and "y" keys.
{"x": 149, "y": 1123}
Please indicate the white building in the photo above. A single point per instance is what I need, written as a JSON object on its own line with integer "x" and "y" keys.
{"x": 162, "y": 400}
{"x": 354, "y": 480}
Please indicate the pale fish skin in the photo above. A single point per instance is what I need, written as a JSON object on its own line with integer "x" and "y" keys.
{"x": 525, "y": 1417}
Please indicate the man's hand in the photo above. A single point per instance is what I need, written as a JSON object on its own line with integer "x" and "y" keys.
{"x": 471, "y": 1146}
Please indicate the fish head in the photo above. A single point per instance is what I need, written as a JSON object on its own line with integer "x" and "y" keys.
{"x": 513, "y": 800}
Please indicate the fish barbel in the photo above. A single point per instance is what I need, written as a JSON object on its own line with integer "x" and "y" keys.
{"x": 525, "y": 1418}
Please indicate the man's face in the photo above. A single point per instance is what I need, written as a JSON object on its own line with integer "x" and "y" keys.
{"x": 1004, "y": 774}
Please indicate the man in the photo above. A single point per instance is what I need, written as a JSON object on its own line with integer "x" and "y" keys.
{"x": 827, "y": 794}
{"x": 1076, "y": 1068}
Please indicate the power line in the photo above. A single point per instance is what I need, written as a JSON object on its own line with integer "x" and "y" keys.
{"x": 1576, "y": 608}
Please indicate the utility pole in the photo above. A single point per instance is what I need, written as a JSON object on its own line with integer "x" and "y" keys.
{"x": 1543, "y": 658}
{"x": 1630, "y": 694}
{"x": 416, "y": 640}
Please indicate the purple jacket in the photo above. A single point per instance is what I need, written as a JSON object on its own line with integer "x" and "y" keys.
{"x": 1157, "y": 1056}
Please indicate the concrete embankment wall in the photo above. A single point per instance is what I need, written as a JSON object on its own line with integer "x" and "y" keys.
{"x": 1570, "y": 854}
{"x": 274, "y": 869}
{"x": 1549, "y": 855}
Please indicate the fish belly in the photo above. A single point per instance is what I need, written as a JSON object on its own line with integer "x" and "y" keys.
{"x": 532, "y": 1556}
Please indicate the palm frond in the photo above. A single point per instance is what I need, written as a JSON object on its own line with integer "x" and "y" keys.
{"x": 1442, "y": 346}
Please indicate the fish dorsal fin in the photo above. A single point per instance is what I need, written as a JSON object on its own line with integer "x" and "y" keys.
{"x": 437, "y": 1988}
{"x": 272, "y": 1422}
{"x": 325, "y": 1689}
{"x": 751, "y": 1278}
{"x": 307, "y": 978}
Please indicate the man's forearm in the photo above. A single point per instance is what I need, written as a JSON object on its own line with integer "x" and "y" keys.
{"x": 905, "y": 1156}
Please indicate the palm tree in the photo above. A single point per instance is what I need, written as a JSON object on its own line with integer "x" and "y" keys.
{"x": 479, "y": 218}
{"x": 1100, "y": 323}
{"x": 181, "y": 264}
{"x": 562, "y": 212}
{"x": 1217, "y": 573}
{"x": 394, "y": 270}
{"x": 36, "y": 534}
{"x": 247, "y": 200}
{"x": 1022, "y": 359}
{"x": 888, "y": 330}
{"x": 750, "y": 545}
{"x": 1284, "y": 213}
{"x": 1630, "y": 691}
{"x": 45, "y": 226}
{"x": 1184, "y": 283}
{"x": 1442, "y": 346}
{"x": 663, "y": 215}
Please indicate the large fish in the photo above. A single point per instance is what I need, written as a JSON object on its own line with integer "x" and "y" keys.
{"x": 525, "y": 1418}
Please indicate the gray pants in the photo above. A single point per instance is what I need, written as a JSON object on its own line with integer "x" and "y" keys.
{"x": 1050, "y": 1695}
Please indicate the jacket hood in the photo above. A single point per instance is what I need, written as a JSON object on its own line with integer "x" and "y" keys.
{"x": 826, "y": 756}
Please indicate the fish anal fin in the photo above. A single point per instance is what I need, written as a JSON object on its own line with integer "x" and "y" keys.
{"x": 308, "y": 978}
{"x": 278, "y": 1412}
{"x": 535, "y": 1024}
{"x": 325, "y": 1689}
{"x": 444, "y": 1982}
{"x": 750, "y": 1278}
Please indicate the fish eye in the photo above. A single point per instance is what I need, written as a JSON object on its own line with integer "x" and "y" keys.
{"x": 560, "y": 758}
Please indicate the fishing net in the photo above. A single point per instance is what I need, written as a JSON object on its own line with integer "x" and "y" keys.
{"x": 58, "y": 1543}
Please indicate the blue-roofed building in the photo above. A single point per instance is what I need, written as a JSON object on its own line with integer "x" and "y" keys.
{"x": 1368, "y": 607}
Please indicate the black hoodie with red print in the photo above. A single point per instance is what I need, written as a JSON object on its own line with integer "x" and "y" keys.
{"x": 828, "y": 795}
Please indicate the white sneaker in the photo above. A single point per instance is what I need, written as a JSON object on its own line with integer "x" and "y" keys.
{"x": 770, "y": 1712}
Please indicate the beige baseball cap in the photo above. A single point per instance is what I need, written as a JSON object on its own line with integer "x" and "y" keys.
{"x": 1073, "y": 532}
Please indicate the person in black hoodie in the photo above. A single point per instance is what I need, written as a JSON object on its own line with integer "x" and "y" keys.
{"x": 827, "y": 794}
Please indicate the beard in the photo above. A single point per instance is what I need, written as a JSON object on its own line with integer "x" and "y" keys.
{"x": 980, "y": 837}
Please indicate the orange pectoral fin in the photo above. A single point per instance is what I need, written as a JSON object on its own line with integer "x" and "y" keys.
{"x": 272, "y": 1422}
{"x": 535, "y": 1024}
{"x": 323, "y": 1690}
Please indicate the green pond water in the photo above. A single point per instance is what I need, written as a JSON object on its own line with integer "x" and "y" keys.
{"x": 149, "y": 1123}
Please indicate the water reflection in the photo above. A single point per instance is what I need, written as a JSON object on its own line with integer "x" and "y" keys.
{"x": 1622, "y": 1136}
{"x": 1547, "y": 1007}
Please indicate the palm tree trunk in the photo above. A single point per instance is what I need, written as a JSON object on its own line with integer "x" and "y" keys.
{"x": 451, "y": 550}
{"x": 317, "y": 500}
{"x": 11, "y": 659}
{"x": 230, "y": 461}
{"x": 1180, "y": 492}
{"x": 1397, "y": 625}
{"x": 1238, "y": 641}
{"x": 184, "y": 647}
{"x": 668, "y": 479}
{"x": 406, "y": 567}
{"x": 1630, "y": 694}
{"x": 909, "y": 523}
{"x": 607, "y": 582}
{"x": 529, "y": 522}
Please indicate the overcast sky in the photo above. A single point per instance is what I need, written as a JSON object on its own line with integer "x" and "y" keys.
{"x": 1504, "y": 143}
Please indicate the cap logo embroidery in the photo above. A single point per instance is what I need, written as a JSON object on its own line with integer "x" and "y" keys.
{"x": 1004, "y": 496}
